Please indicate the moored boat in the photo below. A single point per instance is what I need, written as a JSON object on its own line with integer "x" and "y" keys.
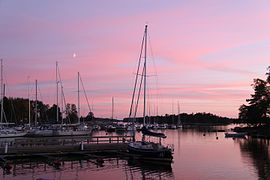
{"x": 145, "y": 149}
{"x": 155, "y": 151}
{"x": 5, "y": 130}
{"x": 74, "y": 130}
{"x": 60, "y": 130}
{"x": 110, "y": 128}
{"x": 120, "y": 128}
{"x": 235, "y": 135}
{"x": 150, "y": 150}
{"x": 172, "y": 126}
{"x": 11, "y": 132}
{"x": 78, "y": 129}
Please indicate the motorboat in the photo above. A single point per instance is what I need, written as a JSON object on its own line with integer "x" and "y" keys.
{"x": 235, "y": 134}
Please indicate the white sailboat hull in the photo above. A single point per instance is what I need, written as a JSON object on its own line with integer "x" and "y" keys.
{"x": 11, "y": 134}
{"x": 59, "y": 132}
{"x": 72, "y": 133}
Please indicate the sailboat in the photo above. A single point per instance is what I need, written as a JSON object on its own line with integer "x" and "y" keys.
{"x": 5, "y": 130}
{"x": 179, "y": 123}
{"x": 144, "y": 149}
{"x": 78, "y": 129}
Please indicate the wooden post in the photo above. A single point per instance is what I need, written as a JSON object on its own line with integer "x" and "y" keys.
{"x": 6, "y": 148}
{"x": 82, "y": 146}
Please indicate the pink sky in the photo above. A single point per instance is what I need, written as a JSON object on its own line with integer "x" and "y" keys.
{"x": 206, "y": 53}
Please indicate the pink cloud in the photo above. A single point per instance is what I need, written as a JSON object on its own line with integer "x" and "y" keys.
{"x": 200, "y": 54}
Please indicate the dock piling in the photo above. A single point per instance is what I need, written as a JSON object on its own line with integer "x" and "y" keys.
{"x": 82, "y": 146}
{"x": 6, "y": 148}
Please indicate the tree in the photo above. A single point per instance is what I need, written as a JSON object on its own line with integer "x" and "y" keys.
{"x": 90, "y": 116}
{"x": 257, "y": 110}
{"x": 243, "y": 110}
{"x": 16, "y": 110}
{"x": 71, "y": 113}
{"x": 52, "y": 113}
{"x": 268, "y": 75}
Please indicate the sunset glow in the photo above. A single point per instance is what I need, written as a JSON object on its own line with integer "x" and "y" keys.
{"x": 202, "y": 54}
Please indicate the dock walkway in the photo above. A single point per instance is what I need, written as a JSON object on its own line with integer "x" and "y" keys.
{"x": 65, "y": 145}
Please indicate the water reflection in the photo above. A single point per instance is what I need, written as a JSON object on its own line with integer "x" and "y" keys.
{"x": 198, "y": 155}
{"x": 256, "y": 153}
{"x": 85, "y": 168}
{"x": 150, "y": 171}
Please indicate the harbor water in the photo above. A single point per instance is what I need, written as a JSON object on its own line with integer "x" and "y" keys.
{"x": 199, "y": 153}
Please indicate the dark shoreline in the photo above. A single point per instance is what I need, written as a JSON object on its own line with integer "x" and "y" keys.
{"x": 262, "y": 131}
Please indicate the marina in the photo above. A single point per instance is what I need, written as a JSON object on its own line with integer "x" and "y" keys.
{"x": 188, "y": 144}
{"x": 134, "y": 90}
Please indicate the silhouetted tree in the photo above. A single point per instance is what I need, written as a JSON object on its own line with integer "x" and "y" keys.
{"x": 243, "y": 112}
{"x": 72, "y": 113}
{"x": 257, "y": 110}
{"x": 52, "y": 114}
{"x": 16, "y": 110}
{"x": 186, "y": 119}
{"x": 90, "y": 116}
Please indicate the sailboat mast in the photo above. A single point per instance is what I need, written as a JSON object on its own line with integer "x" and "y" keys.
{"x": 29, "y": 105}
{"x": 79, "y": 98}
{"x": 56, "y": 77}
{"x": 144, "y": 74}
{"x": 36, "y": 106}
{"x": 179, "y": 120}
{"x": 4, "y": 93}
{"x": 2, "y": 96}
{"x": 112, "y": 106}
{"x": 89, "y": 108}
{"x": 172, "y": 112}
{"x": 62, "y": 104}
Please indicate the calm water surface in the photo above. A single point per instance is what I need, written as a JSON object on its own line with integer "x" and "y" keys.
{"x": 198, "y": 154}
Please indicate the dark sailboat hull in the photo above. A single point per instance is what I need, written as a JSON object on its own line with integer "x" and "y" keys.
{"x": 164, "y": 154}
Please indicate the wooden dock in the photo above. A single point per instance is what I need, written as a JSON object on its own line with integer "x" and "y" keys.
{"x": 64, "y": 145}
{"x": 55, "y": 151}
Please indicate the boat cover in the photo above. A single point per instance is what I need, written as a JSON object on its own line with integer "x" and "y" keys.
{"x": 147, "y": 132}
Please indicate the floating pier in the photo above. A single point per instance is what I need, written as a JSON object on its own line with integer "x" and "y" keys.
{"x": 55, "y": 150}
{"x": 25, "y": 146}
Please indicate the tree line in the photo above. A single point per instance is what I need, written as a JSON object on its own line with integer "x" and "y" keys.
{"x": 193, "y": 118}
{"x": 16, "y": 110}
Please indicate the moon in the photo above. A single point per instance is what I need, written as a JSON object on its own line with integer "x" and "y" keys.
{"x": 74, "y": 55}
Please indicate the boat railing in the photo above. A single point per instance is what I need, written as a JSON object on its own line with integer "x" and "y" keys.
{"x": 111, "y": 139}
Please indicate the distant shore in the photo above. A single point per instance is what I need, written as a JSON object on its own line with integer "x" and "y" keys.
{"x": 262, "y": 131}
